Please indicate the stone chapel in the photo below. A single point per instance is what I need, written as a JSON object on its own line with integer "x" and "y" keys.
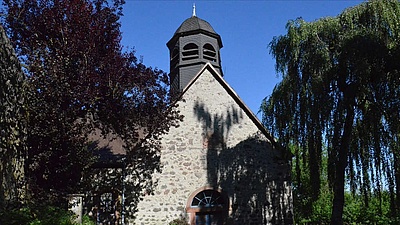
{"x": 220, "y": 166}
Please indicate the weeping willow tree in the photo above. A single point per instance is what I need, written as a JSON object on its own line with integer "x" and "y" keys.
{"x": 340, "y": 97}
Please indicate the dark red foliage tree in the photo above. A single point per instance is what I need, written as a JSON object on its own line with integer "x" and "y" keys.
{"x": 80, "y": 79}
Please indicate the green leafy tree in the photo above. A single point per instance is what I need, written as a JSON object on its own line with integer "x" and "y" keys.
{"x": 340, "y": 89}
{"x": 12, "y": 126}
{"x": 80, "y": 80}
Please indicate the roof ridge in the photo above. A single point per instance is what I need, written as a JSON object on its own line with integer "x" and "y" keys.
{"x": 195, "y": 23}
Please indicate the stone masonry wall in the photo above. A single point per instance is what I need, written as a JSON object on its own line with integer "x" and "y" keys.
{"x": 218, "y": 145}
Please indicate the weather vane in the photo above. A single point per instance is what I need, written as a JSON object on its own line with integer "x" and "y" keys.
{"x": 194, "y": 9}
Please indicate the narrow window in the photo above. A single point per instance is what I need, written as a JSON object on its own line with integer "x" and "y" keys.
{"x": 174, "y": 58}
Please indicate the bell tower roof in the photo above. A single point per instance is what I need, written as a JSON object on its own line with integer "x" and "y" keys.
{"x": 194, "y": 44}
{"x": 194, "y": 23}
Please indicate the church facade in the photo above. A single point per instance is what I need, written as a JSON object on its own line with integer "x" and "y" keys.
{"x": 220, "y": 166}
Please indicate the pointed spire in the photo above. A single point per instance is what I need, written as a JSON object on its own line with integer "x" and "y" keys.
{"x": 194, "y": 10}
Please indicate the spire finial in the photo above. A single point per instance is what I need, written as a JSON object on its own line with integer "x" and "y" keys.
{"x": 194, "y": 10}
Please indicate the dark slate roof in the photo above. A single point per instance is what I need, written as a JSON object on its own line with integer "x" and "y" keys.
{"x": 194, "y": 23}
{"x": 191, "y": 26}
{"x": 108, "y": 149}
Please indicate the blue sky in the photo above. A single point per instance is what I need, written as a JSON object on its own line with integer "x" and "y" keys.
{"x": 246, "y": 29}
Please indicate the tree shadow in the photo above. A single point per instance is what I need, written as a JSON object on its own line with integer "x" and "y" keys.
{"x": 104, "y": 182}
{"x": 115, "y": 183}
{"x": 253, "y": 172}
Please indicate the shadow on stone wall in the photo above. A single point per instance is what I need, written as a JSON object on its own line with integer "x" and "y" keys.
{"x": 114, "y": 187}
{"x": 253, "y": 173}
{"x": 104, "y": 178}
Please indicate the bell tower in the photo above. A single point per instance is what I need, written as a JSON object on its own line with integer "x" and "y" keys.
{"x": 193, "y": 44}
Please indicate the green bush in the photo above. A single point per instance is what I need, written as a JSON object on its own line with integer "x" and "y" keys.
{"x": 87, "y": 221}
{"x": 53, "y": 215}
{"x": 47, "y": 215}
{"x": 22, "y": 216}
{"x": 181, "y": 221}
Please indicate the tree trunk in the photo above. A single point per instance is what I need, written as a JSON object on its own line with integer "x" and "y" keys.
{"x": 343, "y": 151}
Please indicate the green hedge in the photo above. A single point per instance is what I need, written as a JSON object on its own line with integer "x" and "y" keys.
{"x": 48, "y": 215}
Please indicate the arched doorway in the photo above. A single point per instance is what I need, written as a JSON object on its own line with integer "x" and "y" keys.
{"x": 207, "y": 206}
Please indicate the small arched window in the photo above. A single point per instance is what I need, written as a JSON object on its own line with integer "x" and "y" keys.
{"x": 190, "y": 51}
{"x": 207, "y": 206}
{"x": 208, "y": 199}
{"x": 209, "y": 53}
